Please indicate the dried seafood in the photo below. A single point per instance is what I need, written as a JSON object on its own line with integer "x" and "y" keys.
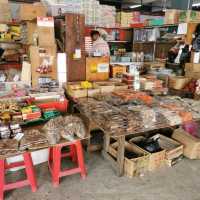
{"x": 33, "y": 139}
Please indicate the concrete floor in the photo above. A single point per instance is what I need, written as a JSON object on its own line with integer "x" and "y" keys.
{"x": 182, "y": 182}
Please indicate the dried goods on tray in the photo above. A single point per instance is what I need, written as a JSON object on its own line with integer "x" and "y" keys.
{"x": 33, "y": 139}
{"x": 134, "y": 95}
{"x": 8, "y": 147}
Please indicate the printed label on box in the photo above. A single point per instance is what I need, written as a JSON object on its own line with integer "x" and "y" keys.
{"x": 103, "y": 68}
{"x": 45, "y": 21}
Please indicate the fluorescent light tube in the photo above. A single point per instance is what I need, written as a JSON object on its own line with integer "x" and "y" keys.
{"x": 195, "y": 4}
{"x": 135, "y": 6}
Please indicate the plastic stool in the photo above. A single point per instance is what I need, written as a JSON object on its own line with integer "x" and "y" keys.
{"x": 55, "y": 157}
{"x": 29, "y": 168}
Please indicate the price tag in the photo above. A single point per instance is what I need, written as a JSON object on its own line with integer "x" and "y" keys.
{"x": 19, "y": 136}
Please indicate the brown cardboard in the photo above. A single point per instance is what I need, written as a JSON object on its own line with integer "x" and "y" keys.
{"x": 92, "y": 65}
{"x": 36, "y": 61}
{"x": 192, "y": 67}
{"x": 5, "y": 12}
{"x": 31, "y": 11}
{"x": 189, "y": 16}
{"x": 192, "y": 75}
{"x": 190, "y": 143}
{"x": 178, "y": 82}
{"x": 31, "y": 30}
{"x": 172, "y": 16}
{"x": 46, "y": 36}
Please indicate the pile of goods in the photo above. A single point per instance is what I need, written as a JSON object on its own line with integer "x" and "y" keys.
{"x": 33, "y": 139}
{"x": 133, "y": 95}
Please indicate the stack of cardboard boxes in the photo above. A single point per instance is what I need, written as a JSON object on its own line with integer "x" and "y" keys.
{"x": 192, "y": 70}
{"x": 39, "y": 36}
{"x": 5, "y": 12}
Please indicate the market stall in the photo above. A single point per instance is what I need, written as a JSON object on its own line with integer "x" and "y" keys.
{"x": 128, "y": 113}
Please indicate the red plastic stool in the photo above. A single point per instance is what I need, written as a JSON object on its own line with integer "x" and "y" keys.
{"x": 31, "y": 180}
{"x": 56, "y": 155}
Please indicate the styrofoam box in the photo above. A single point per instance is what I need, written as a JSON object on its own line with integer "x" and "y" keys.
{"x": 38, "y": 157}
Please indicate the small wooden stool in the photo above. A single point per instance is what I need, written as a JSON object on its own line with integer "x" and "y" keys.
{"x": 29, "y": 168}
{"x": 55, "y": 157}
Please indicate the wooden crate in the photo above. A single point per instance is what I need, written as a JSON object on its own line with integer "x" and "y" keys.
{"x": 97, "y": 68}
{"x": 173, "y": 148}
{"x": 105, "y": 86}
{"x": 135, "y": 166}
{"x": 156, "y": 160}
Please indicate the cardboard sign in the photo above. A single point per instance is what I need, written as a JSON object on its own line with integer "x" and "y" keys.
{"x": 45, "y": 21}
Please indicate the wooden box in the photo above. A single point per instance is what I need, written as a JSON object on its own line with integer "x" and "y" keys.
{"x": 156, "y": 160}
{"x": 191, "y": 144}
{"x": 75, "y": 90}
{"x": 173, "y": 148}
{"x": 117, "y": 71}
{"x": 105, "y": 87}
{"x": 136, "y": 165}
{"x": 97, "y": 68}
{"x": 121, "y": 86}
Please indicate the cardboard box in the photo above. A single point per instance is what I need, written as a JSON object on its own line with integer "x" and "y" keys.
{"x": 191, "y": 144}
{"x": 5, "y": 12}
{"x": 192, "y": 75}
{"x": 173, "y": 148}
{"x": 172, "y": 16}
{"x": 191, "y": 67}
{"x": 117, "y": 71}
{"x": 31, "y": 11}
{"x": 97, "y": 68}
{"x": 136, "y": 165}
{"x": 31, "y": 31}
{"x": 156, "y": 160}
{"x": 186, "y": 16}
{"x": 45, "y": 35}
{"x": 178, "y": 82}
{"x": 36, "y": 59}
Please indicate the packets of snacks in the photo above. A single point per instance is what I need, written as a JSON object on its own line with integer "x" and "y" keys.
{"x": 148, "y": 116}
{"x": 4, "y": 132}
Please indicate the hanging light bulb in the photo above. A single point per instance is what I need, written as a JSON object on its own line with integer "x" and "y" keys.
{"x": 164, "y": 5}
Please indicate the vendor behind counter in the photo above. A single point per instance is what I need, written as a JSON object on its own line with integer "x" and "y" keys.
{"x": 99, "y": 47}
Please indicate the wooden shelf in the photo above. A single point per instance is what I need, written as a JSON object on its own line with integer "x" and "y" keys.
{"x": 7, "y": 65}
{"x": 163, "y": 26}
{"x": 143, "y": 42}
{"x": 10, "y": 23}
{"x": 118, "y": 41}
{"x": 10, "y": 42}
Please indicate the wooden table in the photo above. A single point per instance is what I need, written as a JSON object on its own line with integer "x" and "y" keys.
{"x": 118, "y": 163}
